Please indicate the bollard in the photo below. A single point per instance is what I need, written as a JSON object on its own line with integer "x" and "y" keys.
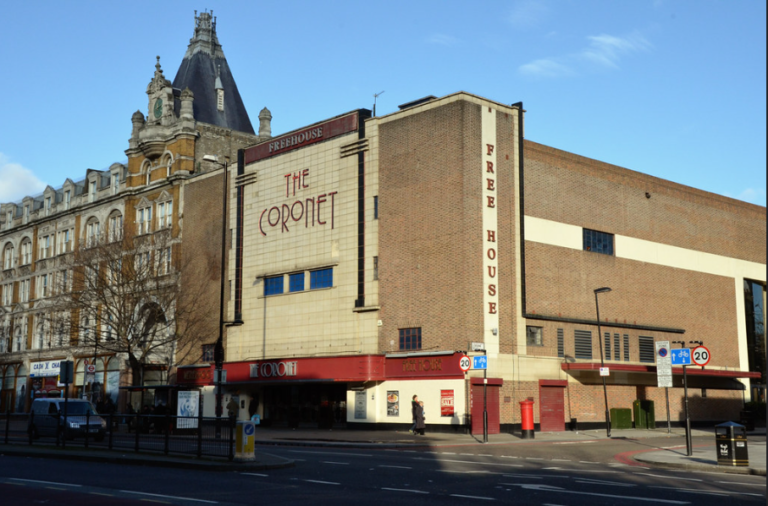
{"x": 526, "y": 416}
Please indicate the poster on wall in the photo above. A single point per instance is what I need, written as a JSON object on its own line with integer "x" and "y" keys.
{"x": 187, "y": 409}
{"x": 360, "y": 406}
{"x": 393, "y": 403}
{"x": 446, "y": 402}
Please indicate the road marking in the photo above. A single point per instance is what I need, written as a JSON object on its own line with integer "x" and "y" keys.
{"x": 561, "y": 460}
{"x": 588, "y": 462}
{"x": 47, "y": 482}
{"x": 549, "y": 488}
{"x": 509, "y": 457}
{"x": 485, "y": 455}
{"x": 395, "y": 467}
{"x": 332, "y": 453}
{"x": 405, "y": 490}
{"x": 533, "y": 458}
{"x": 550, "y": 468}
{"x": 748, "y": 484}
{"x": 167, "y": 496}
{"x": 323, "y": 482}
{"x": 473, "y": 462}
{"x": 99, "y": 493}
{"x": 671, "y": 477}
{"x": 691, "y": 490}
{"x": 528, "y": 476}
{"x": 257, "y": 474}
{"x": 448, "y": 453}
{"x": 472, "y": 454}
{"x": 337, "y": 463}
{"x": 474, "y": 497}
{"x": 575, "y": 442}
{"x": 602, "y": 482}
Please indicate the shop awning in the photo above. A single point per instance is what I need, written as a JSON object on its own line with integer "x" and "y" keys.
{"x": 645, "y": 375}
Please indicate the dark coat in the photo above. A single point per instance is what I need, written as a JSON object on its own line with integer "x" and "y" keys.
{"x": 419, "y": 417}
{"x": 414, "y": 408}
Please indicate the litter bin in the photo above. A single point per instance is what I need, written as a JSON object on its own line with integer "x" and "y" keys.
{"x": 731, "y": 440}
{"x": 244, "y": 441}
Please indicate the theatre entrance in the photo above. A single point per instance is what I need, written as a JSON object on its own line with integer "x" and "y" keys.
{"x": 322, "y": 405}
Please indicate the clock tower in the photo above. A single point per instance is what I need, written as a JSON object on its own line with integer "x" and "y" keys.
{"x": 160, "y": 92}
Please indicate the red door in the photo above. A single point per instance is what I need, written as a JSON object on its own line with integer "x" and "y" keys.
{"x": 476, "y": 405}
{"x": 552, "y": 405}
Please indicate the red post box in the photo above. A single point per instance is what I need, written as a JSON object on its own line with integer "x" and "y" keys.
{"x": 526, "y": 416}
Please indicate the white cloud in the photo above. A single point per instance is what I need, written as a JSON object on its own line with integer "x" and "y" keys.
{"x": 753, "y": 196}
{"x": 16, "y": 182}
{"x": 545, "y": 68}
{"x": 603, "y": 51}
{"x": 442, "y": 39}
{"x": 528, "y": 13}
{"x": 607, "y": 50}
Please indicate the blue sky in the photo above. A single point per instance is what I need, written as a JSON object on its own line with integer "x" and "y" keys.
{"x": 675, "y": 89}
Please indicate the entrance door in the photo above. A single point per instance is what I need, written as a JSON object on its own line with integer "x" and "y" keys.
{"x": 552, "y": 405}
{"x": 476, "y": 405}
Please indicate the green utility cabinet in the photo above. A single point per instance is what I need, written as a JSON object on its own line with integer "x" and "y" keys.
{"x": 645, "y": 414}
{"x": 621, "y": 418}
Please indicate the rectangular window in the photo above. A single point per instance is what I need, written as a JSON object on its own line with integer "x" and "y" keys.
{"x": 26, "y": 253}
{"x": 207, "y": 355}
{"x": 47, "y": 206}
{"x": 115, "y": 228}
{"x": 9, "y": 220}
{"x": 273, "y": 285}
{"x": 144, "y": 220}
{"x": 26, "y": 214}
{"x": 647, "y": 349}
{"x": 598, "y": 242}
{"x": 164, "y": 213}
{"x": 92, "y": 191}
{"x": 626, "y": 347}
{"x": 616, "y": 348}
{"x": 67, "y": 199}
{"x": 560, "y": 343}
{"x": 375, "y": 268}
{"x": 534, "y": 336}
{"x": 410, "y": 339}
{"x": 582, "y": 340}
{"x": 43, "y": 286}
{"x": 321, "y": 279}
{"x": 296, "y": 282}
{"x": 115, "y": 179}
{"x": 376, "y": 207}
{"x": 24, "y": 291}
{"x": 164, "y": 262}
{"x": 607, "y": 344}
{"x": 8, "y": 294}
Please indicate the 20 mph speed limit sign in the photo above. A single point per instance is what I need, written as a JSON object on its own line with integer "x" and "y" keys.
{"x": 700, "y": 356}
{"x": 465, "y": 363}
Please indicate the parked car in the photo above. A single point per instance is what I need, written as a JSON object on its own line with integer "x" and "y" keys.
{"x": 47, "y": 419}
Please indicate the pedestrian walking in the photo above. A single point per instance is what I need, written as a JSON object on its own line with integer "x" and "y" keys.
{"x": 420, "y": 423}
{"x": 414, "y": 408}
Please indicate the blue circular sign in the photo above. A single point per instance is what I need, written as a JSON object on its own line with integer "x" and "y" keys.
{"x": 663, "y": 352}
{"x": 249, "y": 429}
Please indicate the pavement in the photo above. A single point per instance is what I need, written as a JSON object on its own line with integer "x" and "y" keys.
{"x": 673, "y": 456}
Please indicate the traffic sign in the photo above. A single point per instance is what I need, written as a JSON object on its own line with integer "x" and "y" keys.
{"x": 681, "y": 356}
{"x": 90, "y": 368}
{"x": 663, "y": 365}
{"x": 700, "y": 356}
{"x": 480, "y": 362}
{"x": 477, "y": 346}
{"x": 604, "y": 371}
{"x": 465, "y": 363}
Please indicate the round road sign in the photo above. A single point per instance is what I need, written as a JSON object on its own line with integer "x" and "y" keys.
{"x": 700, "y": 356}
{"x": 663, "y": 352}
{"x": 90, "y": 368}
{"x": 465, "y": 363}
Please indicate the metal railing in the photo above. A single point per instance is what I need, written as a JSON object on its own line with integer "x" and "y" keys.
{"x": 166, "y": 434}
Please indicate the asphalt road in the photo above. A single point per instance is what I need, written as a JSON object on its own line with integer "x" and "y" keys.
{"x": 564, "y": 473}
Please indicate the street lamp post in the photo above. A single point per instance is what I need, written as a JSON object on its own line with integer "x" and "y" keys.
{"x": 218, "y": 350}
{"x": 602, "y": 362}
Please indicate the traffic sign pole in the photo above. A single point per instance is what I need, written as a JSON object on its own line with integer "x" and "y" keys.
{"x": 485, "y": 400}
{"x": 688, "y": 442}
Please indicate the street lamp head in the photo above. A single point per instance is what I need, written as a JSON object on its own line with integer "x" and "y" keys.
{"x": 602, "y": 290}
{"x": 211, "y": 158}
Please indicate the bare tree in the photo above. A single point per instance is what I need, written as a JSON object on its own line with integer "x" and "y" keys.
{"x": 127, "y": 296}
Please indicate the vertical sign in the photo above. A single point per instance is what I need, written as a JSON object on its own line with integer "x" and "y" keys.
{"x": 187, "y": 409}
{"x": 663, "y": 364}
{"x": 446, "y": 402}
{"x": 490, "y": 239}
{"x": 360, "y": 406}
{"x": 393, "y": 403}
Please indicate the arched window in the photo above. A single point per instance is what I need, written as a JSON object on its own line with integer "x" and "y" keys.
{"x": 115, "y": 226}
{"x": 25, "y": 255}
{"x": 92, "y": 232}
{"x": 8, "y": 256}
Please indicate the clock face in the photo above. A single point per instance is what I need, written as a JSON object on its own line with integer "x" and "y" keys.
{"x": 159, "y": 108}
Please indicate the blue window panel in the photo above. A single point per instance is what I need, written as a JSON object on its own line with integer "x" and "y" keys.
{"x": 598, "y": 242}
{"x": 321, "y": 279}
{"x": 273, "y": 285}
{"x": 410, "y": 339}
{"x": 296, "y": 282}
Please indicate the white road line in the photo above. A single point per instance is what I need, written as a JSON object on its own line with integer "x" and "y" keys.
{"x": 561, "y": 460}
{"x": 257, "y": 474}
{"x": 670, "y": 477}
{"x": 337, "y": 463}
{"x": 575, "y": 442}
{"x": 472, "y": 462}
{"x": 474, "y": 497}
{"x": 601, "y": 482}
{"x": 587, "y": 462}
{"x": 748, "y": 484}
{"x": 560, "y": 490}
{"x": 448, "y": 453}
{"x": 47, "y": 482}
{"x": 167, "y": 496}
{"x": 691, "y": 490}
{"x": 484, "y": 455}
{"x": 509, "y": 457}
{"x": 332, "y": 453}
{"x": 533, "y": 458}
{"x": 471, "y": 454}
{"x": 395, "y": 467}
{"x": 323, "y": 482}
{"x": 405, "y": 490}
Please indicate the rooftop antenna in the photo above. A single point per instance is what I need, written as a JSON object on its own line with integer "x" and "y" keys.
{"x": 375, "y": 96}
